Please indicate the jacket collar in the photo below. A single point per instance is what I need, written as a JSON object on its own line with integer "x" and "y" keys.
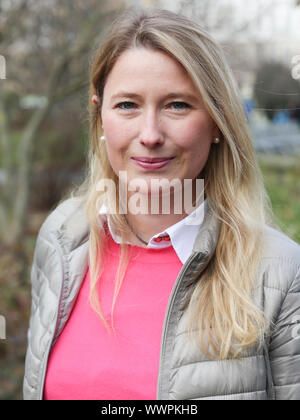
{"x": 208, "y": 234}
{"x": 74, "y": 231}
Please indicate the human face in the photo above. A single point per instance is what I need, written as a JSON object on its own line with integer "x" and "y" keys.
{"x": 151, "y": 109}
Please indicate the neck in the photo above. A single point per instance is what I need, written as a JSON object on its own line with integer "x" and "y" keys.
{"x": 146, "y": 225}
{"x": 149, "y": 215}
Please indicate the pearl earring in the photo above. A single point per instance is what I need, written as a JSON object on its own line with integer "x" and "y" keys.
{"x": 102, "y": 138}
{"x": 217, "y": 140}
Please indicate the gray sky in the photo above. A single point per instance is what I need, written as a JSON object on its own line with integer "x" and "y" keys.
{"x": 282, "y": 20}
{"x": 278, "y": 22}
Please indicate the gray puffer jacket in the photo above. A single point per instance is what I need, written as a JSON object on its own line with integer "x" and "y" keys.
{"x": 272, "y": 372}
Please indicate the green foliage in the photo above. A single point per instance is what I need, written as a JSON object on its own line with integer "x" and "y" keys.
{"x": 61, "y": 149}
{"x": 53, "y": 148}
{"x": 14, "y": 143}
{"x": 282, "y": 180}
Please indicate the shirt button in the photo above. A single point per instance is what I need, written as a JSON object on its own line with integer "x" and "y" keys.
{"x": 166, "y": 238}
{"x": 158, "y": 239}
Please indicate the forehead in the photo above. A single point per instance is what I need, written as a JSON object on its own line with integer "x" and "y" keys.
{"x": 143, "y": 67}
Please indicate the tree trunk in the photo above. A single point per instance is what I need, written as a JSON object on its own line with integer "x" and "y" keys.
{"x": 23, "y": 180}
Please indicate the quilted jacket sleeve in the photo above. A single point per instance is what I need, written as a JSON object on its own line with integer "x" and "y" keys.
{"x": 32, "y": 362}
{"x": 284, "y": 349}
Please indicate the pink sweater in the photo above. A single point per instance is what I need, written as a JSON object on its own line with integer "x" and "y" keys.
{"x": 88, "y": 363}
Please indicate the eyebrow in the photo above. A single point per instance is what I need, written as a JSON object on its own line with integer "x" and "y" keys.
{"x": 171, "y": 95}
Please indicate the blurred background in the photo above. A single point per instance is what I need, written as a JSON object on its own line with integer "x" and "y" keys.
{"x": 46, "y": 48}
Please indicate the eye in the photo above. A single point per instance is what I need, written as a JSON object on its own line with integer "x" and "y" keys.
{"x": 179, "y": 106}
{"x": 126, "y": 106}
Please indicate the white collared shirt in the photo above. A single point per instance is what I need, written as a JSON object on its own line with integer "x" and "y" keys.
{"x": 182, "y": 234}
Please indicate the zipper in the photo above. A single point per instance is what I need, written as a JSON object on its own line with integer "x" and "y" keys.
{"x": 46, "y": 356}
{"x": 168, "y": 314}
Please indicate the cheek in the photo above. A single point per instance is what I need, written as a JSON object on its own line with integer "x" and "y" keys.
{"x": 196, "y": 133}
{"x": 117, "y": 134}
{"x": 118, "y": 138}
{"x": 197, "y": 158}
{"x": 195, "y": 140}
{"x": 114, "y": 142}
{"x": 111, "y": 130}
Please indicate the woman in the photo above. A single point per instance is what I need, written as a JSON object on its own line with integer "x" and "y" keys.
{"x": 131, "y": 301}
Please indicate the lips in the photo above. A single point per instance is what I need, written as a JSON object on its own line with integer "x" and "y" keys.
{"x": 151, "y": 163}
{"x": 151, "y": 160}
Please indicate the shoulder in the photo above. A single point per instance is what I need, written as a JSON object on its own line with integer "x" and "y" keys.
{"x": 62, "y": 233}
{"x": 58, "y": 216}
{"x": 281, "y": 261}
{"x": 279, "y": 246}
{"x": 67, "y": 216}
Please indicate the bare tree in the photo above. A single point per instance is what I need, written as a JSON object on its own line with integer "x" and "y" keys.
{"x": 47, "y": 48}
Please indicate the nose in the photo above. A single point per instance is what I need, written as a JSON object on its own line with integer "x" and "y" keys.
{"x": 151, "y": 135}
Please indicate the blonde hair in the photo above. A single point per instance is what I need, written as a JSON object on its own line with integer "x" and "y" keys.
{"x": 220, "y": 306}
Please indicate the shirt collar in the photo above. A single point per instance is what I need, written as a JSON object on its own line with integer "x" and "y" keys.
{"x": 181, "y": 235}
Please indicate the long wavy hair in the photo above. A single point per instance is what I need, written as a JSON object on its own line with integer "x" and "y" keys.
{"x": 221, "y": 314}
